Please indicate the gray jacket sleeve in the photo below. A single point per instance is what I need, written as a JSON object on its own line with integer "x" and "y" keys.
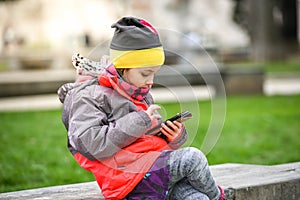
{"x": 99, "y": 126}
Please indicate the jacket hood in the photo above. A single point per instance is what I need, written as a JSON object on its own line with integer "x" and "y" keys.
{"x": 63, "y": 91}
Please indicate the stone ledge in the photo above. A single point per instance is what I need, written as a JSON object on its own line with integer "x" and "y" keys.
{"x": 244, "y": 182}
{"x": 241, "y": 181}
{"x": 33, "y": 82}
{"x": 88, "y": 191}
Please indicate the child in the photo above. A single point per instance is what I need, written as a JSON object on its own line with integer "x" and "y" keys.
{"x": 107, "y": 113}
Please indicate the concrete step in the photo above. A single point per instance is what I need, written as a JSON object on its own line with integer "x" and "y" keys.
{"x": 33, "y": 82}
{"x": 241, "y": 182}
{"x": 278, "y": 182}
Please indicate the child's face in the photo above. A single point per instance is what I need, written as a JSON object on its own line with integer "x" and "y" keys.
{"x": 140, "y": 77}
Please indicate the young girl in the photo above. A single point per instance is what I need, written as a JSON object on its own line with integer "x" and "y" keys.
{"x": 107, "y": 113}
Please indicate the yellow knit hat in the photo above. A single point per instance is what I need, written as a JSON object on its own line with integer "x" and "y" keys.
{"x": 137, "y": 58}
{"x": 135, "y": 44}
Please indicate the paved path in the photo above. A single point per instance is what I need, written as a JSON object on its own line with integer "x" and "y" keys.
{"x": 272, "y": 86}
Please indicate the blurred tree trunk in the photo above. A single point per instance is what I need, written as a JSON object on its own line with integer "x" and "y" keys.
{"x": 290, "y": 25}
{"x": 264, "y": 34}
{"x": 272, "y": 27}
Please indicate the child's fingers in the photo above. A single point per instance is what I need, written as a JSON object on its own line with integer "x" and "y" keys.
{"x": 166, "y": 128}
{"x": 171, "y": 131}
{"x": 152, "y": 112}
{"x": 155, "y": 116}
{"x": 154, "y": 107}
{"x": 178, "y": 124}
{"x": 167, "y": 132}
{"x": 173, "y": 127}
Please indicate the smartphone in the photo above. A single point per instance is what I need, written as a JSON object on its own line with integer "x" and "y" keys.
{"x": 181, "y": 117}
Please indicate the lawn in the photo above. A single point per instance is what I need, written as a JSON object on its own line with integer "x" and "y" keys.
{"x": 257, "y": 130}
{"x": 275, "y": 67}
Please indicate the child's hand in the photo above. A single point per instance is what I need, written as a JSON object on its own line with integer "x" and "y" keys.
{"x": 152, "y": 112}
{"x": 172, "y": 130}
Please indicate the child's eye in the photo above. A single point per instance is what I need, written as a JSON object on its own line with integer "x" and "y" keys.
{"x": 145, "y": 75}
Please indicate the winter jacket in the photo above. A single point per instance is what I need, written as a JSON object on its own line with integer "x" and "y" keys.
{"x": 106, "y": 135}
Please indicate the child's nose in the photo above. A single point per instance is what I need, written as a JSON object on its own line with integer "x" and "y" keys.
{"x": 149, "y": 81}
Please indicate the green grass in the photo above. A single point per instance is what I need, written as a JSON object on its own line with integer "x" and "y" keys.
{"x": 260, "y": 130}
{"x": 257, "y": 130}
{"x": 283, "y": 66}
{"x": 290, "y": 66}
{"x": 34, "y": 153}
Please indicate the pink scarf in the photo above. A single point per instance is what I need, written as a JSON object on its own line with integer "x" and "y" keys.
{"x": 114, "y": 80}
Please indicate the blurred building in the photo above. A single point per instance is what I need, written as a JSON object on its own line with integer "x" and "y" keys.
{"x": 64, "y": 24}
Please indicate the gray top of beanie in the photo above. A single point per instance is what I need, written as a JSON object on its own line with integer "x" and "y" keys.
{"x": 132, "y": 34}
